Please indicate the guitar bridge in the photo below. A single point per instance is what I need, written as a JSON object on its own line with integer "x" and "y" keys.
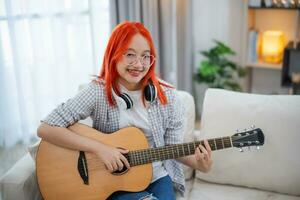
{"x": 82, "y": 168}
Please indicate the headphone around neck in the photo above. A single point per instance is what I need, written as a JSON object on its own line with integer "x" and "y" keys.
{"x": 150, "y": 93}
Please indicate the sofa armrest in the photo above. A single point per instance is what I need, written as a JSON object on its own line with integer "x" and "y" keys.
{"x": 20, "y": 181}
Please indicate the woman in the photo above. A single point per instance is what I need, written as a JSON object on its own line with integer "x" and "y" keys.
{"x": 127, "y": 93}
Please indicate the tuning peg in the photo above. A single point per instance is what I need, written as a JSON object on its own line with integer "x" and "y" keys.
{"x": 252, "y": 126}
{"x": 237, "y": 130}
{"x": 241, "y": 150}
{"x": 257, "y": 147}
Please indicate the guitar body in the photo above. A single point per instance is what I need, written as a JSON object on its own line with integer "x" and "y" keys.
{"x": 67, "y": 174}
{"x": 59, "y": 178}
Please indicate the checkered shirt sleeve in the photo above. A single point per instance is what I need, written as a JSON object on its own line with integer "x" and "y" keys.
{"x": 174, "y": 128}
{"x": 77, "y": 108}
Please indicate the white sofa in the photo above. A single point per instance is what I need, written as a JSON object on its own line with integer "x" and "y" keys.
{"x": 268, "y": 174}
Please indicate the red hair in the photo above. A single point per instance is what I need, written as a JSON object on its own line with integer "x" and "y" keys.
{"x": 117, "y": 45}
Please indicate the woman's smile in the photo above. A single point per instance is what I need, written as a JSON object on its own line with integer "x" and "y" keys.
{"x": 135, "y": 72}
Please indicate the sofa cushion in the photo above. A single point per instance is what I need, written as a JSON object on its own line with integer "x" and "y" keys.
{"x": 276, "y": 165}
{"x": 20, "y": 181}
{"x": 32, "y": 149}
{"x": 213, "y": 191}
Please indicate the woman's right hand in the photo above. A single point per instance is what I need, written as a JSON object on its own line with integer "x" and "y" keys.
{"x": 112, "y": 157}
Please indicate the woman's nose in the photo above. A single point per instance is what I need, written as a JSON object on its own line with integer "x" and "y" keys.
{"x": 139, "y": 62}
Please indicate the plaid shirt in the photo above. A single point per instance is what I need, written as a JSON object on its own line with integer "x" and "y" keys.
{"x": 166, "y": 120}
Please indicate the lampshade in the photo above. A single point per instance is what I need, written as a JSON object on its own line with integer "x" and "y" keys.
{"x": 272, "y": 46}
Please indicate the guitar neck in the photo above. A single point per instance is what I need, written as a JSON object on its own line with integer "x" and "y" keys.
{"x": 144, "y": 156}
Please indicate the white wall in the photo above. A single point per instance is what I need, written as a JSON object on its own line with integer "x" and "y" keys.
{"x": 218, "y": 19}
{"x": 221, "y": 20}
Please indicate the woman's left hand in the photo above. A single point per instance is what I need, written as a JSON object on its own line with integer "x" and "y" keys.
{"x": 203, "y": 157}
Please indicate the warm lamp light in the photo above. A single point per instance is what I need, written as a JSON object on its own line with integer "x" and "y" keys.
{"x": 272, "y": 46}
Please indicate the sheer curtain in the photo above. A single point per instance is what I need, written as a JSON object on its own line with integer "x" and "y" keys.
{"x": 47, "y": 49}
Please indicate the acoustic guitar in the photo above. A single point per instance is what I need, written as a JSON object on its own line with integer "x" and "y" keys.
{"x": 67, "y": 174}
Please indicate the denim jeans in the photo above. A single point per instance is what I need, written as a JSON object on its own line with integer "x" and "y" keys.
{"x": 161, "y": 189}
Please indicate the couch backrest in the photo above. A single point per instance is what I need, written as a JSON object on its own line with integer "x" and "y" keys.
{"x": 276, "y": 165}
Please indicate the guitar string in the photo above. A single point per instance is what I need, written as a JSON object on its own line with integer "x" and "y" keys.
{"x": 161, "y": 153}
{"x": 167, "y": 152}
{"x": 141, "y": 155}
{"x": 147, "y": 155}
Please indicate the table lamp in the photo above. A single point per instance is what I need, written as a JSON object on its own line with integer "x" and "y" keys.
{"x": 272, "y": 46}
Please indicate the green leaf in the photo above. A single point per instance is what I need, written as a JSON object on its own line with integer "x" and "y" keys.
{"x": 217, "y": 70}
{"x": 208, "y": 69}
{"x": 223, "y": 49}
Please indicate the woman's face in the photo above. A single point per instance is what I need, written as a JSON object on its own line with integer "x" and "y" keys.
{"x": 134, "y": 64}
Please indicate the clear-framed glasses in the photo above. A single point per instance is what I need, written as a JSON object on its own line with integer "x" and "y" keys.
{"x": 132, "y": 59}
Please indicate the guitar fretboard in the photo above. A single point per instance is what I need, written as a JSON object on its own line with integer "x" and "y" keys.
{"x": 144, "y": 156}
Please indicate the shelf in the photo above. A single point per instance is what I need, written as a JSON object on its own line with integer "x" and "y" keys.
{"x": 265, "y": 78}
{"x": 281, "y": 8}
{"x": 264, "y": 65}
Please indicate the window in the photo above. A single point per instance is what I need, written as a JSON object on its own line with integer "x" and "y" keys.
{"x": 47, "y": 49}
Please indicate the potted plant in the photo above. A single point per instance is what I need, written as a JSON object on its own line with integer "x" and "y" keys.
{"x": 217, "y": 71}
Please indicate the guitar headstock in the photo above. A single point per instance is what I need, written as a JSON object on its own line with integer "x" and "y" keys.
{"x": 247, "y": 138}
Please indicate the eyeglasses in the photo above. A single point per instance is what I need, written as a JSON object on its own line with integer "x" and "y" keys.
{"x": 132, "y": 59}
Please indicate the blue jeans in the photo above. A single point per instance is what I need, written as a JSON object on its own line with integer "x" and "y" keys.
{"x": 161, "y": 189}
